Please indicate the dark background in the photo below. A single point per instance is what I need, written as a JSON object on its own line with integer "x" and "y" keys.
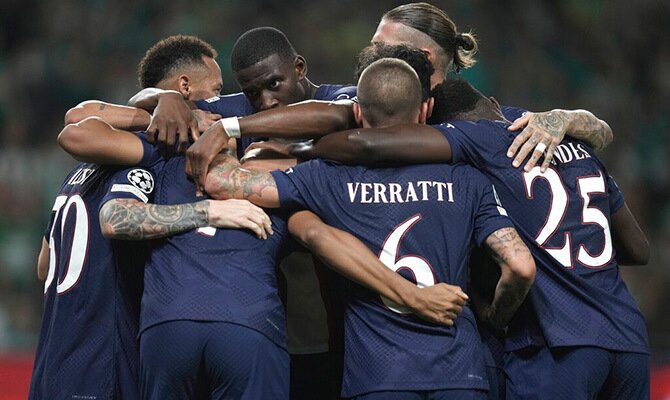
{"x": 610, "y": 57}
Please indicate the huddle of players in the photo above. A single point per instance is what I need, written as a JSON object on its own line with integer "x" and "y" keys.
{"x": 388, "y": 353}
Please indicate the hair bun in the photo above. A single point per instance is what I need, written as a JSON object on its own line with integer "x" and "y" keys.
{"x": 466, "y": 41}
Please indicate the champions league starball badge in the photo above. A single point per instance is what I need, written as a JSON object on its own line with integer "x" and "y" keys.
{"x": 142, "y": 180}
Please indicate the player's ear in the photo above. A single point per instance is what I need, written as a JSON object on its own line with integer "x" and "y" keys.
{"x": 300, "y": 65}
{"x": 184, "y": 85}
{"x": 358, "y": 115}
{"x": 428, "y": 104}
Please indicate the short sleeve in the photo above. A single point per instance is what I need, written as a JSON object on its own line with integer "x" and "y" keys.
{"x": 473, "y": 143}
{"x": 490, "y": 215}
{"x": 512, "y": 113}
{"x": 231, "y": 105}
{"x": 303, "y": 187}
{"x": 132, "y": 183}
{"x": 150, "y": 153}
{"x": 615, "y": 196}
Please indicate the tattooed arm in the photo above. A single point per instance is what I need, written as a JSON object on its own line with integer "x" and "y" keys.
{"x": 549, "y": 128}
{"x": 130, "y": 219}
{"x": 226, "y": 179}
{"x": 517, "y": 269}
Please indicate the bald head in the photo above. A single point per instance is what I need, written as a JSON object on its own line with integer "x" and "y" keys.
{"x": 389, "y": 93}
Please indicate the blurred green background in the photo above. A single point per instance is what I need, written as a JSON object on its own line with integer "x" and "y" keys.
{"x": 610, "y": 57}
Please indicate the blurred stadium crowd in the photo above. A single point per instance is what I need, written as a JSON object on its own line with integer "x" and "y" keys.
{"x": 610, "y": 57}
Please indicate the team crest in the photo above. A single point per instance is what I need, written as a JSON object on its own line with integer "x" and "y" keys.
{"x": 142, "y": 180}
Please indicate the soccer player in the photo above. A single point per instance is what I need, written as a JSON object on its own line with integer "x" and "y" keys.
{"x": 430, "y": 29}
{"x": 87, "y": 346}
{"x": 387, "y": 354}
{"x": 580, "y": 334}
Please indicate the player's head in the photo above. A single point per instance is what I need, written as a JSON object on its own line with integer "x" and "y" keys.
{"x": 432, "y": 30}
{"x": 268, "y": 69}
{"x": 182, "y": 63}
{"x": 416, "y": 59}
{"x": 457, "y": 99}
{"x": 389, "y": 93}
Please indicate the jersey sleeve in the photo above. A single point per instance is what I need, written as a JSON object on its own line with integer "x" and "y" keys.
{"x": 150, "y": 154}
{"x": 131, "y": 183}
{"x": 345, "y": 93}
{"x": 472, "y": 143}
{"x": 615, "y": 196}
{"x": 297, "y": 185}
{"x": 490, "y": 215}
{"x": 231, "y": 105}
{"x": 512, "y": 113}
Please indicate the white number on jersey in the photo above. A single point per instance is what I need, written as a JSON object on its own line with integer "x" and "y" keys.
{"x": 422, "y": 271}
{"x": 559, "y": 206}
{"x": 79, "y": 245}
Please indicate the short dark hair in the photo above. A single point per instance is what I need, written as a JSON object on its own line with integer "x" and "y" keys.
{"x": 389, "y": 92}
{"x": 258, "y": 44}
{"x": 453, "y": 97}
{"x": 416, "y": 59}
{"x": 171, "y": 54}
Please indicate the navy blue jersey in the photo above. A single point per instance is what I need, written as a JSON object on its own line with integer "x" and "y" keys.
{"x": 512, "y": 113}
{"x": 421, "y": 220}
{"x": 237, "y": 105}
{"x": 207, "y": 274}
{"x": 578, "y": 297}
{"x": 87, "y": 346}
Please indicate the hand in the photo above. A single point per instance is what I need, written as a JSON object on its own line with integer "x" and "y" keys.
{"x": 440, "y": 303}
{"x": 239, "y": 214}
{"x": 205, "y": 120}
{"x": 202, "y": 152}
{"x": 541, "y": 134}
{"x": 172, "y": 118}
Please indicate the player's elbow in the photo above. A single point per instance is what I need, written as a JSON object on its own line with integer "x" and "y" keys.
{"x": 608, "y": 135}
{"x": 217, "y": 189}
{"x": 638, "y": 254}
{"x": 81, "y": 111}
{"x": 523, "y": 270}
{"x": 313, "y": 235}
{"x": 73, "y": 137}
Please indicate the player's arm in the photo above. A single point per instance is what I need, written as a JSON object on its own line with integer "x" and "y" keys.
{"x": 43, "y": 261}
{"x": 131, "y": 219}
{"x": 172, "y": 120}
{"x": 348, "y": 256}
{"x": 401, "y": 144}
{"x": 548, "y": 129}
{"x": 118, "y": 116}
{"x": 630, "y": 242}
{"x": 298, "y": 121}
{"x": 517, "y": 272}
{"x": 94, "y": 140}
{"x": 228, "y": 180}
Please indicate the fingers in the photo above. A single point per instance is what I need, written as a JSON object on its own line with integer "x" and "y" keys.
{"x": 518, "y": 141}
{"x": 520, "y": 122}
{"x": 534, "y": 137}
{"x": 548, "y": 156}
{"x": 538, "y": 152}
{"x": 195, "y": 131}
{"x": 183, "y": 131}
{"x": 151, "y": 132}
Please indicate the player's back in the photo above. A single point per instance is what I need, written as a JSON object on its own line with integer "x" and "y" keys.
{"x": 421, "y": 221}
{"x": 564, "y": 213}
{"x": 87, "y": 346}
{"x": 210, "y": 274}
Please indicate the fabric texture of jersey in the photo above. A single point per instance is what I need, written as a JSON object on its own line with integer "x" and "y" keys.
{"x": 87, "y": 346}
{"x": 578, "y": 298}
{"x": 207, "y": 274}
{"x": 237, "y": 105}
{"x": 421, "y": 221}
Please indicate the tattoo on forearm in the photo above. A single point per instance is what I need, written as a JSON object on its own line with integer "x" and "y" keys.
{"x": 133, "y": 220}
{"x": 232, "y": 181}
{"x": 505, "y": 245}
{"x": 588, "y": 128}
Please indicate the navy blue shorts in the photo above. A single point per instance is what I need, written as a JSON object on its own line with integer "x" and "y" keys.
{"x": 456, "y": 394}
{"x": 211, "y": 360}
{"x": 576, "y": 373}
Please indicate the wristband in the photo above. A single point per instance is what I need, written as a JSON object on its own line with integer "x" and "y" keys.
{"x": 232, "y": 127}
